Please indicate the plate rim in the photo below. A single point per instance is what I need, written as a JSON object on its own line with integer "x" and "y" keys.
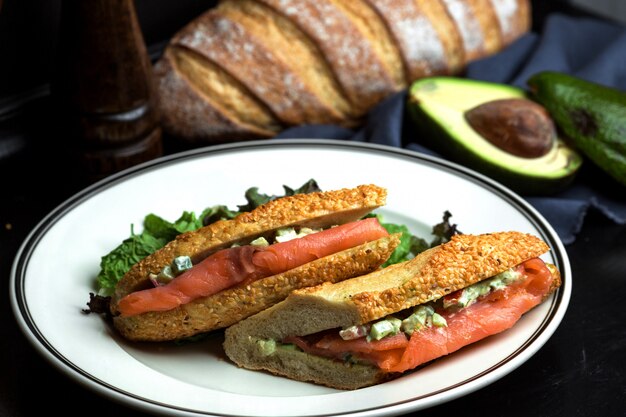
{"x": 545, "y": 330}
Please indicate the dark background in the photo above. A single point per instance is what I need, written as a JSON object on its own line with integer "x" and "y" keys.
{"x": 581, "y": 371}
{"x": 29, "y": 29}
{"x": 28, "y": 36}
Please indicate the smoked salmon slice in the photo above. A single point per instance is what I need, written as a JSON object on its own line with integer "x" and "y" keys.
{"x": 382, "y": 353}
{"x": 236, "y": 265}
{"x": 378, "y": 352}
{"x": 492, "y": 314}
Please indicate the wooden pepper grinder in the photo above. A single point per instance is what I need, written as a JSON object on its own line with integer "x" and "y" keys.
{"x": 105, "y": 87}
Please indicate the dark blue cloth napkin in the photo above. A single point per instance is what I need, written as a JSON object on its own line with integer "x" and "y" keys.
{"x": 585, "y": 47}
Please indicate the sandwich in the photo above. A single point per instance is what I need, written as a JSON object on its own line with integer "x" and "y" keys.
{"x": 213, "y": 277}
{"x": 376, "y": 327}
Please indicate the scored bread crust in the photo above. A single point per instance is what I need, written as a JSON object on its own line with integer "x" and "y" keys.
{"x": 514, "y": 17}
{"x": 357, "y": 67}
{"x": 464, "y": 260}
{"x": 233, "y": 45}
{"x": 407, "y": 22}
{"x": 478, "y": 26}
{"x": 265, "y": 65}
{"x": 193, "y": 113}
{"x": 375, "y": 32}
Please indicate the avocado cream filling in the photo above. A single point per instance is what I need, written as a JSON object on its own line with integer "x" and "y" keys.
{"x": 409, "y": 320}
{"x": 425, "y": 315}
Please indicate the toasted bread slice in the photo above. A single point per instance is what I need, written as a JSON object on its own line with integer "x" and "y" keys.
{"x": 439, "y": 271}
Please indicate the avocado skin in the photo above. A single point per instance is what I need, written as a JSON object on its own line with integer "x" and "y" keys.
{"x": 438, "y": 139}
{"x": 590, "y": 115}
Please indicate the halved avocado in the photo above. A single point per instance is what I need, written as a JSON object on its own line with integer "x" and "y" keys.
{"x": 440, "y": 106}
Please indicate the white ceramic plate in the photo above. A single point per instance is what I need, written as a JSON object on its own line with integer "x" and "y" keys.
{"x": 55, "y": 268}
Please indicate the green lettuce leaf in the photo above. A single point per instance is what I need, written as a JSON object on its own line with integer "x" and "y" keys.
{"x": 215, "y": 213}
{"x": 444, "y": 231}
{"x": 133, "y": 249}
{"x": 256, "y": 199}
{"x": 411, "y": 245}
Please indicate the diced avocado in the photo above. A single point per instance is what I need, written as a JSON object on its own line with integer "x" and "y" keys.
{"x": 440, "y": 107}
{"x": 166, "y": 274}
{"x": 266, "y": 347}
{"x": 287, "y": 346}
{"x": 421, "y": 317}
{"x": 470, "y": 294}
{"x": 410, "y": 324}
{"x": 504, "y": 278}
{"x": 260, "y": 241}
{"x": 181, "y": 264}
{"x": 439, "y": 321}
{"x": 285, "y": 234}
{"x": 591, "y": 115}
{"x": 289, "y": 233}
{"x": 386, "y": 327}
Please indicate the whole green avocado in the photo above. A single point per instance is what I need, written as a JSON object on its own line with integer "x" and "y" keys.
{"x": 591, "y": 115}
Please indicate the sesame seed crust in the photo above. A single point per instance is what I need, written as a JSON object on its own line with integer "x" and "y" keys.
{"x": 465, "y": 260}
{"x": 318, "y": 209}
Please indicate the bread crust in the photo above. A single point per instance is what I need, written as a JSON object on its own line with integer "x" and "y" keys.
{"x": 319, "y": 61}
{"x": 463, "y": 261}
{"x": 189, "y": 112}
{"x": 356, "y": 65}
{"x": 448, "y": 33}
{"x": 466, "y": 259}
{"x": 477, "y": 25}
{"x": 422, "y": 51}
{"x": 514, "y": 18}
{"x": 232, "y": 46}
{"x": 372, "y": 28}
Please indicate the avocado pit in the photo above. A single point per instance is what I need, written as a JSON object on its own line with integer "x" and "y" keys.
{"x": 518, "y": 126}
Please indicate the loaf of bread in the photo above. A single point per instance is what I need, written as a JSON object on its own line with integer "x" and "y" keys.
{"x": 248, "y": 69}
